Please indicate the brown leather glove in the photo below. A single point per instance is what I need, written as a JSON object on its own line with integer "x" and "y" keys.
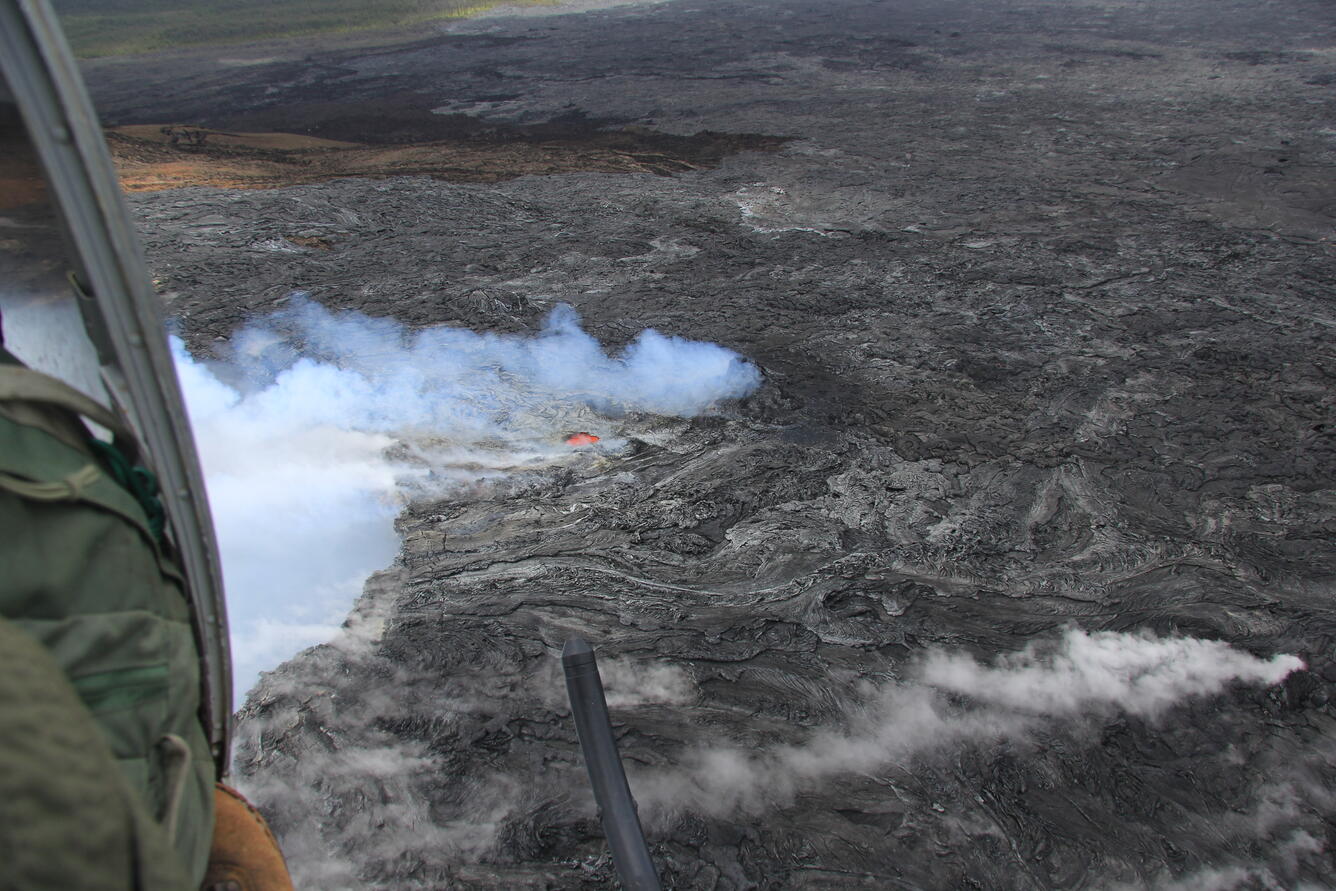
{"x": 245, "y": 855}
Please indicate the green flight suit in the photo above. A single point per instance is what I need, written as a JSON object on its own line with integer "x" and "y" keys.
{"x": 85, "y": 579}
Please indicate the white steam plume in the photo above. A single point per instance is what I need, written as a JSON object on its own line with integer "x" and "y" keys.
{"x": 294, "y": 427}
{"x": 1137, "y": 673}
{"x": 628, "y": 683}
{"x": 1078, "y": 675}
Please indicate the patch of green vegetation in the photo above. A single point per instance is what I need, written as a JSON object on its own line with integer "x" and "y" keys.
{"x": 122, "y": 27}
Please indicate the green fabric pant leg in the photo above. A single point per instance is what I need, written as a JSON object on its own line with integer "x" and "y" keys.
{"x": 82, "y": 574}
{"x": 68, "y": 819}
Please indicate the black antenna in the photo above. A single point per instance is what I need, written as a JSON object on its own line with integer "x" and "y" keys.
{"x": 617, "y": 809}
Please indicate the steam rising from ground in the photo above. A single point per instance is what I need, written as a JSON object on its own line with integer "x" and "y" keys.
{"x": 1137, "y": 673}
{"x": 948, "y": 702}
{"x": 294, "y": 428}
{"x": 955, "y": 700}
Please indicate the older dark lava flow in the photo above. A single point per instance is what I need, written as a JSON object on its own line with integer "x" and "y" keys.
{"x": 1043, "y": 293}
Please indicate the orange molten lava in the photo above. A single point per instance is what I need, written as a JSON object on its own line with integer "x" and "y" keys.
{"x": 581, "y": 438}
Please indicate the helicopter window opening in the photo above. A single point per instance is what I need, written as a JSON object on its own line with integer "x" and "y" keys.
{"x": 40, "y": 321}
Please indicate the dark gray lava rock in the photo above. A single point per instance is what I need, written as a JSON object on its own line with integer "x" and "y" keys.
{"x": 1042, "y": 293}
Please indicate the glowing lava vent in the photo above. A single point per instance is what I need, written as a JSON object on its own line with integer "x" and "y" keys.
{"x": 581, "y": 439}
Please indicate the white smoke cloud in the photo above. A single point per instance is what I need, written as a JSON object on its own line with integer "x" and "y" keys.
{"x": 395, "y": 823}
{"x": 1285, "y": 855}
{"x": 303, "y": 507}
{"x": 628, "y": 683}
{"x": 1269, "y": 842}
{"x": 295, "y": 429}
{"x": 1137, "y": 673}
{"x": 1078, "y": 675}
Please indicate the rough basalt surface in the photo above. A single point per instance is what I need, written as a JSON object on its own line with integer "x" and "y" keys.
{"x": 1043, "y": 294}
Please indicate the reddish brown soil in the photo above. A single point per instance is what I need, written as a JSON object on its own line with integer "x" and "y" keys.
{"x": 153, "y": 157}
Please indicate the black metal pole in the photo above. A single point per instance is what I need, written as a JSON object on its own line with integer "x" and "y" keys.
{"x": 617, "y": 809}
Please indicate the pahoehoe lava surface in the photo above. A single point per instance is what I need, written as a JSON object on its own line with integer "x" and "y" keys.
{"x": 1043, "y": 296}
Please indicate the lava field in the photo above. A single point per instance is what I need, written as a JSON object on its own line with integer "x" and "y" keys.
{"x": 1017, "y": 569}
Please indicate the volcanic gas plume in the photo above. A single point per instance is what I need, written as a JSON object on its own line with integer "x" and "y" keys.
{"x": 296, "y": 424}
{"x": 1079, "y": 676}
